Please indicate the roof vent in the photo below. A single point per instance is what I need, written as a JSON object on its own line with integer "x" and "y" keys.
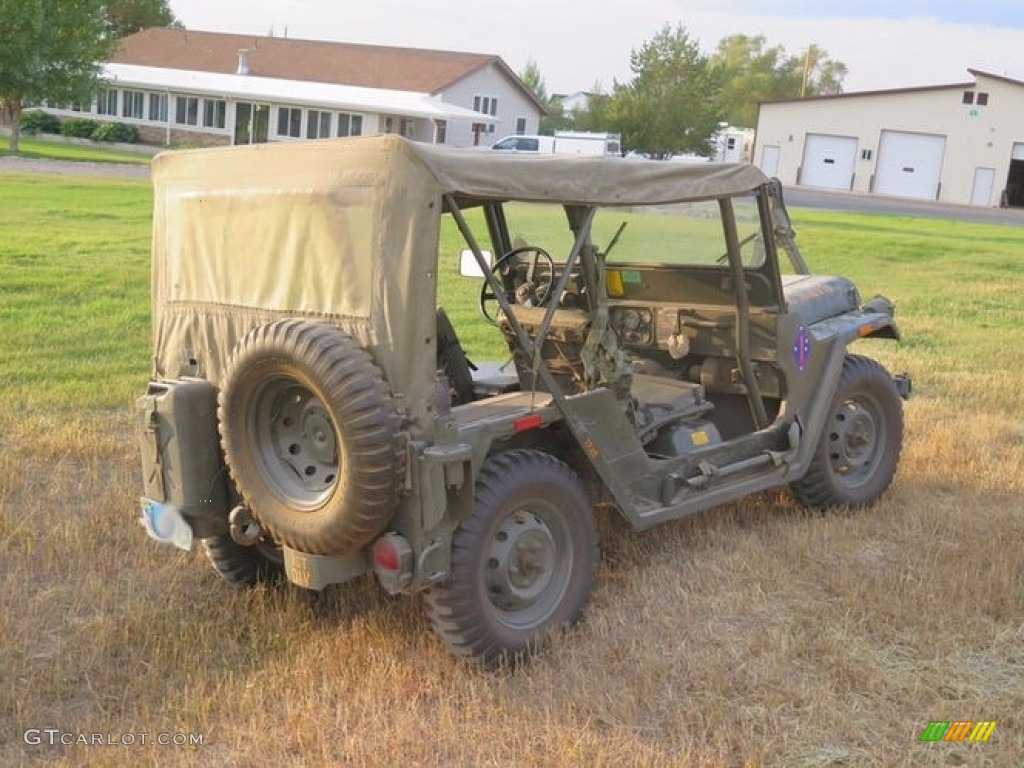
{"x": 243, "y": 61}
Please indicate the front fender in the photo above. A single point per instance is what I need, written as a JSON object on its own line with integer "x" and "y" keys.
{"x": 859, "y": 324}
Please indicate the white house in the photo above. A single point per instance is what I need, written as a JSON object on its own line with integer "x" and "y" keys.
{"x": 961, "y": 143}
{"x": 208, "y": 88}
{"x": 578, "y": 101}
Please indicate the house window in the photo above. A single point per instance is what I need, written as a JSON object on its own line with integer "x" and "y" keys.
{"x": 133, "y": 104}
{"x": 186, "y": 110}
{"x": 408, "y": 128}
{"x": 289, "y": 122}
{"x": 440, "y": 132}
{"x": 318, "y": 124}
{"x": 982, "y": 100}
{"x": 389, "y": 125}
{"x": 968, "y": 97}
{"x": 214, "y": 111}
{"x": 520, "y": 126}
{"x": 488, "y": 105}
{"x": 350, "y": 125}
{"x": 106, "y": 102}
{"x": 158, "y": 107}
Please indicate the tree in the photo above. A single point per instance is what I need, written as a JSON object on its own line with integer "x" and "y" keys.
{"x": 129, "y": 16}
{"x": 822, "y": 75}
{"x": 555, "y": 117}
{"x": 533, "y": 80}
{"x": 672, "y": 103}
{"x": 50, "y": 49}
{"x": 752, "y": 72}
{"x": 593, "y": 117}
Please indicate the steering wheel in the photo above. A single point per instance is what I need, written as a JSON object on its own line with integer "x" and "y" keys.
{"x": 523, "y": 282}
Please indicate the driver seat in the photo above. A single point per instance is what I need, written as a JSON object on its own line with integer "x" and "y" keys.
{"x": 562, "y": 349}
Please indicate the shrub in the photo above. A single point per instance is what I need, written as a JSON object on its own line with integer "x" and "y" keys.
{"x": 78, "y": 127}
{"x": 36, "y": 121}
{"x": 116, "y": 132}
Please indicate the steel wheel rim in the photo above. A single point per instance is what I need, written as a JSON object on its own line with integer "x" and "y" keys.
{"x": 294, "y": 442}
{"x": 528, "y": 566}
{"x": 856, "y": 440}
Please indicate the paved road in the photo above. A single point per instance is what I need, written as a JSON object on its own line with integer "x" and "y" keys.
{"x": 17, "y": 164}
{"x": 796, "y": 197}
{"x": 802, "y": 197}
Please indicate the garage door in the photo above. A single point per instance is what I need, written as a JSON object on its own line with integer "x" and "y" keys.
{"x": 828, "y": 161}
{"x": 910, "y": 164}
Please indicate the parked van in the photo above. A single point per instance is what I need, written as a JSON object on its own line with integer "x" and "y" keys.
{"x": 564, "y": 143}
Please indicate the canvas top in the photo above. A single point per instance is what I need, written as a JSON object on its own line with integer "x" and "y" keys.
{"x": 347, "y": 231}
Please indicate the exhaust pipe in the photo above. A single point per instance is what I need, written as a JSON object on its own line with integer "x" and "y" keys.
{"x": 243, "y": 526}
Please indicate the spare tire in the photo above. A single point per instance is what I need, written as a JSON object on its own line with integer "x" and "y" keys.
{"x": 309, "y": 436}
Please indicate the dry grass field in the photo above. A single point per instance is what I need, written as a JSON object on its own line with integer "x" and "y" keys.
{"x": 756, "y": 634}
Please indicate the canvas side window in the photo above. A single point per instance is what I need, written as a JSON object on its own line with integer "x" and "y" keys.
{"x": 288, "y": 250}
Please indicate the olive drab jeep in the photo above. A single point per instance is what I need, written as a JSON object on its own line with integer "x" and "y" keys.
{"x": 661, "y": 347}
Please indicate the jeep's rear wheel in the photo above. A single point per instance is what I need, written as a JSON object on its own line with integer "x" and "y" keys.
{"x": 244, "y": 566}
{"x": 308, "y": 433}
{"x": 522, "y": 564}
{"x": 860, "y": 444}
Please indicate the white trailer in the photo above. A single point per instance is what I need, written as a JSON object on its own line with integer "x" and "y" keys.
{"x": 586, "y": 143}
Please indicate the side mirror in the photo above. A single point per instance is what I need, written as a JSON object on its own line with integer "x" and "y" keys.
{"x": 469, "y": 266}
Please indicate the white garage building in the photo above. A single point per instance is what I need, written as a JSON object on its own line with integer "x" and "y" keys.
{"x": 961, "y": 143}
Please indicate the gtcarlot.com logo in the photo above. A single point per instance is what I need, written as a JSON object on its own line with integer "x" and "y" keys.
{"x": 58, "y": 737}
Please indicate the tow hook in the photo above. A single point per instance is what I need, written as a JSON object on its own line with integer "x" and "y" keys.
{"x": 244, "y": 528}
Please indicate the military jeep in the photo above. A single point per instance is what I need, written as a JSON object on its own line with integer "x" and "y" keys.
{"x": 661, "y": 349}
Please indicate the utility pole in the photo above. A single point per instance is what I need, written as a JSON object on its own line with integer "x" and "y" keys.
{"x": 807, "y": 71}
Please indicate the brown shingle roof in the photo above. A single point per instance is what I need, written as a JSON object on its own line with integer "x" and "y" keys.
{"x": 372, "y": 66}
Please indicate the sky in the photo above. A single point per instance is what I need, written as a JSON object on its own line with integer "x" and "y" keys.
{"x": 580, "y": 44}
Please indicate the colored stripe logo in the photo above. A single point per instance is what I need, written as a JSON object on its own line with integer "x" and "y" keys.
{"x": 958, "y": 730}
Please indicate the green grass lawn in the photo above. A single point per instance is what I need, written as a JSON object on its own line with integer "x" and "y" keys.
{"x": 41, "y": 147}
{"x": 74, "y": 298}
{"x": 74, "y": 291}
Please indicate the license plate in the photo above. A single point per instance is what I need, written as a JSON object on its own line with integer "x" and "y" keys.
{"x": 164, "y": 523}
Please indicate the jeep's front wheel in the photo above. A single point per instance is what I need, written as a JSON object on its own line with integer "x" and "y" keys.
{"x": 860, "y": 444}
{"x": 522, "y": 564}
{"x": 309, "y": 436}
